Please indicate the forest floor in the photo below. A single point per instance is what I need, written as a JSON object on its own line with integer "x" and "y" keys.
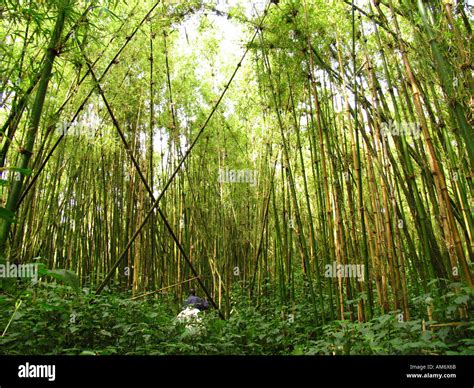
{"x": 52, "y": 319}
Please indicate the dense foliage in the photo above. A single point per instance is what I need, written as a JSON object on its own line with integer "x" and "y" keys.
{"x": 307, "y": 165}
{"x": 54, "y": 319}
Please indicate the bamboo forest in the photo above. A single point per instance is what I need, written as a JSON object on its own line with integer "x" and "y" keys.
{"x": 236, "y": 177}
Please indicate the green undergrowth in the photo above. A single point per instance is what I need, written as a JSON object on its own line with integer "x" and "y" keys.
{"x": 50, "y": 318}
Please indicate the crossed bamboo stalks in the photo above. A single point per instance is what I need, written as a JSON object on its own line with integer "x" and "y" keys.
{"x": 155, "y": 201}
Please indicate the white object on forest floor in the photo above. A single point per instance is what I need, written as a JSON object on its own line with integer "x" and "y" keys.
{"x": 190, "y": 316}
